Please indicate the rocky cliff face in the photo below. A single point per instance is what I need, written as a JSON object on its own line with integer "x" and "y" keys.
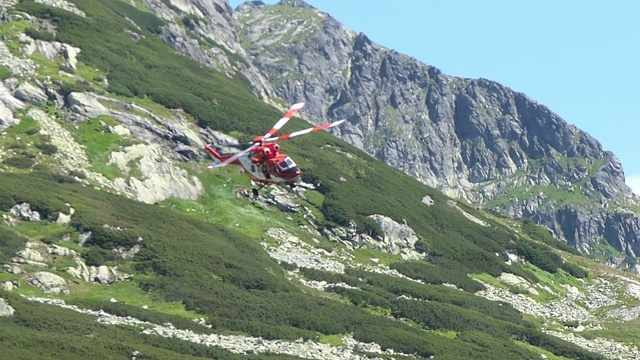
{"x": 472, "y": 138}
{"x": 206, "y": 31}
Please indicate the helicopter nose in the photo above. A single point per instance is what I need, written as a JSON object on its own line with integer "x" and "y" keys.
{"x": 291, "y": 173}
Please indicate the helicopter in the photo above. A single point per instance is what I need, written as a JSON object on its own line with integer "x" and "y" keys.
{"x": 262, "y": 161}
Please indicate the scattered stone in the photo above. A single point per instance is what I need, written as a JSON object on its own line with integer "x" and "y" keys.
{"x": 7, "y": 286}
{"x": 12, "y": 269}
{"x": 428, "y": 200}
{"x": 30, "y": 254}
{"x": 85, "y": 104}
{"x": 63, "y": 218}
{"x": 64, "y": 5}
{"x": 30, "y": 94}
{"x": 5, "y": 309}
{"x": 294, "y": 251}
{"x": 10, "y": 220}
{"x": 82, "y": 238}
{"x": 23, "y": 212}
{"x": 514, "y": 280}
{"x": 60, "y": 251}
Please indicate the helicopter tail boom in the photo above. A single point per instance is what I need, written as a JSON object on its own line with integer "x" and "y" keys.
{"x": 225, "y": 159}
{"x": 213, "y": 152}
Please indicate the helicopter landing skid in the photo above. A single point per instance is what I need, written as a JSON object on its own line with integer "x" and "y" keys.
{"x": 255, "y": 191}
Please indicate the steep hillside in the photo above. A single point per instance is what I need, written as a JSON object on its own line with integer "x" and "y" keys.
{"x": 472, "y": 138}
{"x": 116, "y": 241}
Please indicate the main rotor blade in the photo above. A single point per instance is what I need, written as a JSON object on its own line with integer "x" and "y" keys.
{"x": 288, "y": 115}
{"x": 232, "y": 159}
{"x": 306, "y": 131}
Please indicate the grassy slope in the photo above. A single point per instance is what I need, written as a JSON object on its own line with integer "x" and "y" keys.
{"x": 222, "y": 274}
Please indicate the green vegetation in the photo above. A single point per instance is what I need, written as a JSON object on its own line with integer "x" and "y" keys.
{"x": 10, "y": 243}
{"x": 603, "y": 251}
{"x": 220, "y": 280}
{"x": 5, "y": 73}
{"x": 538, "y": 233}
{"x": 100, "y": 142}
{"x": 202, "y": 258}
{"x": 27, "y": 126}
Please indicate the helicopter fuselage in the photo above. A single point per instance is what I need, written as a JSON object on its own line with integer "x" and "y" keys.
{"x": 269, "y": 168}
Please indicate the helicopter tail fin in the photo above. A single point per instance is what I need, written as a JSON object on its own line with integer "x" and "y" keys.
{"x": 213, "y": 152}
{"x": 221, "y": 160}
{"x": 217, "y": 158}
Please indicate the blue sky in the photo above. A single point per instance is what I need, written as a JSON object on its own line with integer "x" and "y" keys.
{"x": 580, "y": 58}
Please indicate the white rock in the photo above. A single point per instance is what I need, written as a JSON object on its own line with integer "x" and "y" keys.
{"x": 5, "y": 309}
{"x": 7, "y": 286}
{"x": 85, "y": 104}
{"x": 49, "y": 283}
{"x": 30, "y": 254}
{"x": 31, "y": 94}
{"x": 63, "y": 218}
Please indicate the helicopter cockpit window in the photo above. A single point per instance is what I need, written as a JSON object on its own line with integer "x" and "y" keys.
{"x": 287, "y": 166}
{"x": 286, "y": 163}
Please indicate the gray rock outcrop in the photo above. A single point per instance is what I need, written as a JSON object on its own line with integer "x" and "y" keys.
{"x": 211, "y": 20}
{"x": 159, "y": 179}
{"x": 23, "y": 212}
{"x": 30, "y": 93}
{"x": 8, "y": 104}
{"x": 49, "y": 283}
{"x": 398, "y": 238}
{"x": 85, "y": 105}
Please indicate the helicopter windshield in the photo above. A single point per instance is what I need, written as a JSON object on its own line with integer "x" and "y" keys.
{"x": 287, "y": 166}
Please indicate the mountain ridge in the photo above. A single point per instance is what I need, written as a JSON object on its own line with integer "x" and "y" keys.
{"x": 472, "y": 138}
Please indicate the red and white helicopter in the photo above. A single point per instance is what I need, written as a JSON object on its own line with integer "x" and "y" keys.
{"x": 262, "y": 161}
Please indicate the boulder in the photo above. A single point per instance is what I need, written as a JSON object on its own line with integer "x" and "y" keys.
{"x": 63, "y": 218}
{"x": 8, "y": 104}
{"x": 7, "y": 286}
{"x": 30, "y": 93}
{"x": 70, "y": 54}
{"x": 60, "y": 251}
{"x": 104, "y": 275}
{"x": 285, "y": 203}
{"x": 427, "y": 200}
{"x": 394, "y": 232}
{"x": 30, "y": 254}
{"x": 5, "y": 309}
{"x": 85, "y": 104}
{"x": 24, "y": 212}
{"x": 159, "y": 179}
{"x": 49, "y": 49}
{"x": 49, "y": 283}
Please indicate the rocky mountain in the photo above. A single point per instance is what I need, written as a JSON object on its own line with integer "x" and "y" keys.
{"x": 472, "y": 138}
{"x": 110, "y": 218}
